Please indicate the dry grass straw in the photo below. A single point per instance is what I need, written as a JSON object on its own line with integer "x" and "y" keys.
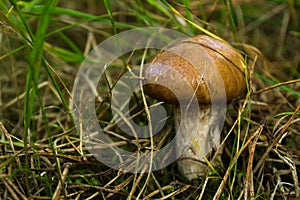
{"x": 261, "y": 155}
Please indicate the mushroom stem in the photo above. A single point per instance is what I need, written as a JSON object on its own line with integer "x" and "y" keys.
{"x": 200, "y": 134}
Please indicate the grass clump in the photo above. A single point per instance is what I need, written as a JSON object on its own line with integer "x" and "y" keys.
{"x": 43, "y": 44}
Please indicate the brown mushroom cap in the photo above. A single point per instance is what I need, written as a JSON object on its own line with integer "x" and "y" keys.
{"x": 172, "y": 70}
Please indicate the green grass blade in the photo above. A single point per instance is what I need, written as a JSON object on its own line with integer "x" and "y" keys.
{"x": 35, "y": 55}
{"x": 231, "y": 17}
{"x": 64, "y": 54}
{"x": 56, "y": 86}
{"x": 160, "y": 7}
{"x": 273, "y": 82}
{"x": 12, "y": 52}
{"x": 109, "y": 11}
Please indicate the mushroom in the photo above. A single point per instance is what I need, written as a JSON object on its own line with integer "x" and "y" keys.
{"x": 215, "y": 72}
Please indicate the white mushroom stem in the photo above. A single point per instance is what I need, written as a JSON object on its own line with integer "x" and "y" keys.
{"x": 205, "y": 128}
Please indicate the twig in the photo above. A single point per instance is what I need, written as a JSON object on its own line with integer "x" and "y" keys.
{"x": 289, "y": 161}
{"x": 16, "y": 194}
{"x": 157, "y": 184}
{"x": 276, "y": 86}
{"x": 221, "y": 186}
{"x": 276, "y": 140}
{"x": 180, "y": 190}
{"x": 3, "y": 129}
{"x": 11, "y": 191}
{"x": 119, "y": 187}
{"x": 135, "y": 185}
{"x": 249, "y": 175}
{"x": 155, "y": 192}
{"x": 203, "y": 188}
{"x": 61, "y": 182}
